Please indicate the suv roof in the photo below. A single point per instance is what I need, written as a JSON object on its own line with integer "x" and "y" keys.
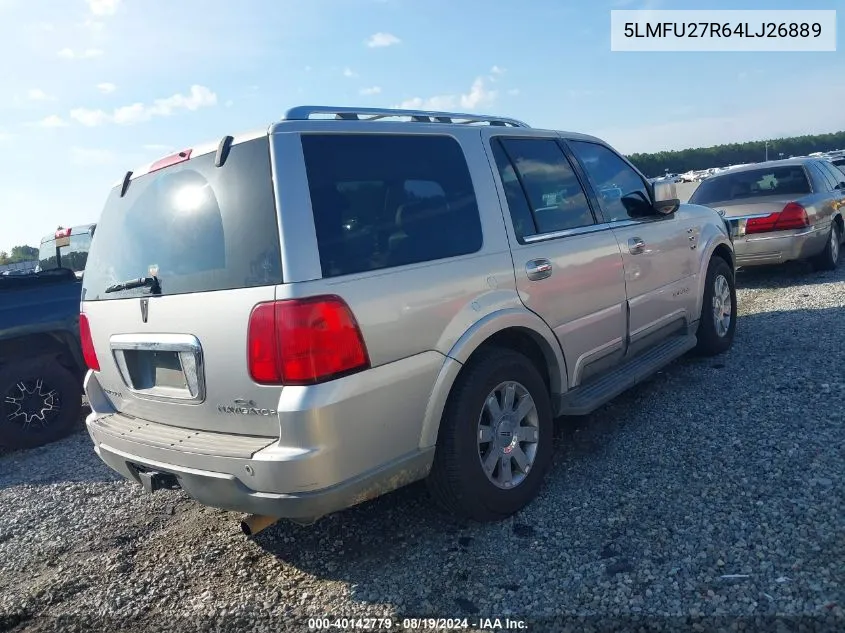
{"x": 343, "y": 114}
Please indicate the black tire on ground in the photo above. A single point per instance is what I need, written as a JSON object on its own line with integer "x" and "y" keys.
{"x": 829, "y": 258}
{"x": 712, "y": 340}
{"x": 40, "y": 402}
{"x": 457, "y": 481}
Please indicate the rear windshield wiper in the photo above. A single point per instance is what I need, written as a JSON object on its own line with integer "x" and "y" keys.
{"x": 152, "y": 282}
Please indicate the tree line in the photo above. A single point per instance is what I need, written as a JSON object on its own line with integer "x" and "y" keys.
{"x": 680, "y": 161}
{"x": 18, "y": 254}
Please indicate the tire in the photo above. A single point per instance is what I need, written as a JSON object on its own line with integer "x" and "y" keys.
{"x": 458, "y": 482}
{"x": 713, "y": 337}
{"x": 830, "y": 257}
{"x": 40, "y": 402}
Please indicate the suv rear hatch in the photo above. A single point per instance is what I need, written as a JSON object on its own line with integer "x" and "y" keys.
{"x": 173, "y": 349}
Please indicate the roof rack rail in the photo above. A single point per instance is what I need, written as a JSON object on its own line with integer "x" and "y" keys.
{"x": 304, "y": 113}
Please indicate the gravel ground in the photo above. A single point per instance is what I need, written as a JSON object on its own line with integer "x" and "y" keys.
{"x": 710, "y": 493}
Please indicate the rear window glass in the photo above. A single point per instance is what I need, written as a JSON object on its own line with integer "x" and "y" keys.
{"x": 756, "y": 183}
{"x": 72, "y": 254}
{"x": 388, "y": 200}
{"x": 199, "y": 227}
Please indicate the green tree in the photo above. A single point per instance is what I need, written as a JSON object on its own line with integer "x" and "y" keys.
{"x": 18, "y": 254}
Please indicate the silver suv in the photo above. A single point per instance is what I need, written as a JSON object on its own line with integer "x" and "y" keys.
{"x": 290, "y": 322}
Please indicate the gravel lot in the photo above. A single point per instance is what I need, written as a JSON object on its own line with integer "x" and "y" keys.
{"x": 713, "y": 490}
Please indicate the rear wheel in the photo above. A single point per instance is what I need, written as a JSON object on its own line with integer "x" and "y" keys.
{"x": 40, "y": 402}
{"x": 495, "y": 441}
{"x": 829, "y": 258}
{"x": 717, "y": 325}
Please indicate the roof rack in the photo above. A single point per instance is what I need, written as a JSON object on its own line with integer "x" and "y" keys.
{"x": 304, "y": 113}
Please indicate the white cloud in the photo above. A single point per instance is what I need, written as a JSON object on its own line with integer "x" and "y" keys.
{"x": 89, "y": 118}
{"x": 85, "y": 156}
{"x": 348, "y": 72}
{"x": 477, "y": 97}
{"x": 94, "y": 25}
{"x": 381, "y": 40}
{"x": 495, "y": 73}
{"x": 106, "y": 87}
{"x": 103, "y": 7}
{"x": 53, "y": 120}
{"x": 88, "y": 53}
{"x": 373, "y": 90}
{"x": 36, "y": 94}
{"x": 6, "y": 136}
{"x": 198, "y": 97}
{"x": 513, "y": 92}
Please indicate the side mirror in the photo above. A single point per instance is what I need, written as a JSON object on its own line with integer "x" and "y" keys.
{"x": 666, "y": 199}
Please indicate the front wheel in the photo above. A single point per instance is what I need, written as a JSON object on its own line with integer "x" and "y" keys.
{"x": 40, "y": 402}
{"x": 495, "y": 440}
{"x": 717, "y": 325}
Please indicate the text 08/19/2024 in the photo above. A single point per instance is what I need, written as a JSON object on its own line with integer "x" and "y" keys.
{"x": 733, "y": 30}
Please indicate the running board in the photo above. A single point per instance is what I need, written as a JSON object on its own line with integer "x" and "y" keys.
{"x": 587, "y": 398}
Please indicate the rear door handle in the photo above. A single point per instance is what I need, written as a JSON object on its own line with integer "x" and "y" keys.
{"x": 538, "y": 269}
{"x": 636, "y": 245}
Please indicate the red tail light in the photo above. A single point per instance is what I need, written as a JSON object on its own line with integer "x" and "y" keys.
{"x": 793, "y": 216}
{"x": 88, "y": 352}
{"x": 304, "y": 341}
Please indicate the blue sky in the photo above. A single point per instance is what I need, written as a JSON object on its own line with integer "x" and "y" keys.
{"x": 92, "y": 88}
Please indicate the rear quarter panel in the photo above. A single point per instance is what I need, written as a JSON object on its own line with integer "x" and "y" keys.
{"x": 410, "y": 309}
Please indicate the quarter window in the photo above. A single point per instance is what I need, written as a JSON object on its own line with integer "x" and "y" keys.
{"x": 382, "y": 200}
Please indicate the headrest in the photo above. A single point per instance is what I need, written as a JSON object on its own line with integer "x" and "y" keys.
{"x": 419, "y": 210}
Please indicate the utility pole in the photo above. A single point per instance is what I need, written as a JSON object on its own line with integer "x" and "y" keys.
{"x": 767, "y": 150}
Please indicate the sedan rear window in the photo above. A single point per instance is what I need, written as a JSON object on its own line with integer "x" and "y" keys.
{"x": 196, "y": 227}
{"x": 756, "y": 183}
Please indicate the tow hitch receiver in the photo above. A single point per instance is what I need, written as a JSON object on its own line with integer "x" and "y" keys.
{"x": 153, "y": 480}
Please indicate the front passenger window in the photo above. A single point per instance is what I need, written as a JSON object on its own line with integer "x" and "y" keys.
{"x": 621, "y": 191}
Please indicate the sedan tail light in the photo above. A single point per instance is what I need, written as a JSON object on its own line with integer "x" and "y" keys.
{"x": 793, "y": 216}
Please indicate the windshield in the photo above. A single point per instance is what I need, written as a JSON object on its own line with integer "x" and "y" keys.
{"x": 194, "y": 226}
{"x": 756, "y": 183}
{"x": 67, "y": 252}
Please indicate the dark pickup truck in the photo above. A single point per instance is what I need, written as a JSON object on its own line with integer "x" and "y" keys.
{"x": 41, "y": 362}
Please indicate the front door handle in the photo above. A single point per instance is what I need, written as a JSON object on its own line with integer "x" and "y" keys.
{"x": 636, "y": 245}
{"x": 538, "y": 269}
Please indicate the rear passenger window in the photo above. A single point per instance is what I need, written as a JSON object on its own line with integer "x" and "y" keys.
{"x": 384, "y": 200}
{"x": 835, "y": 174}
{"x": 821, "y": 178}
{"x": 543, "y": 192}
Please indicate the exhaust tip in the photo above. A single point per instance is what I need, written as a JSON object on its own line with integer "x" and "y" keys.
{"x": 254, "y": 523}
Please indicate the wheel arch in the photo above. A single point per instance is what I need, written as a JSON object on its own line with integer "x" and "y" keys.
{"x": 520, "y": 330}
{"x": 58, "y": 344}
{"x": 718, "y": 246}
